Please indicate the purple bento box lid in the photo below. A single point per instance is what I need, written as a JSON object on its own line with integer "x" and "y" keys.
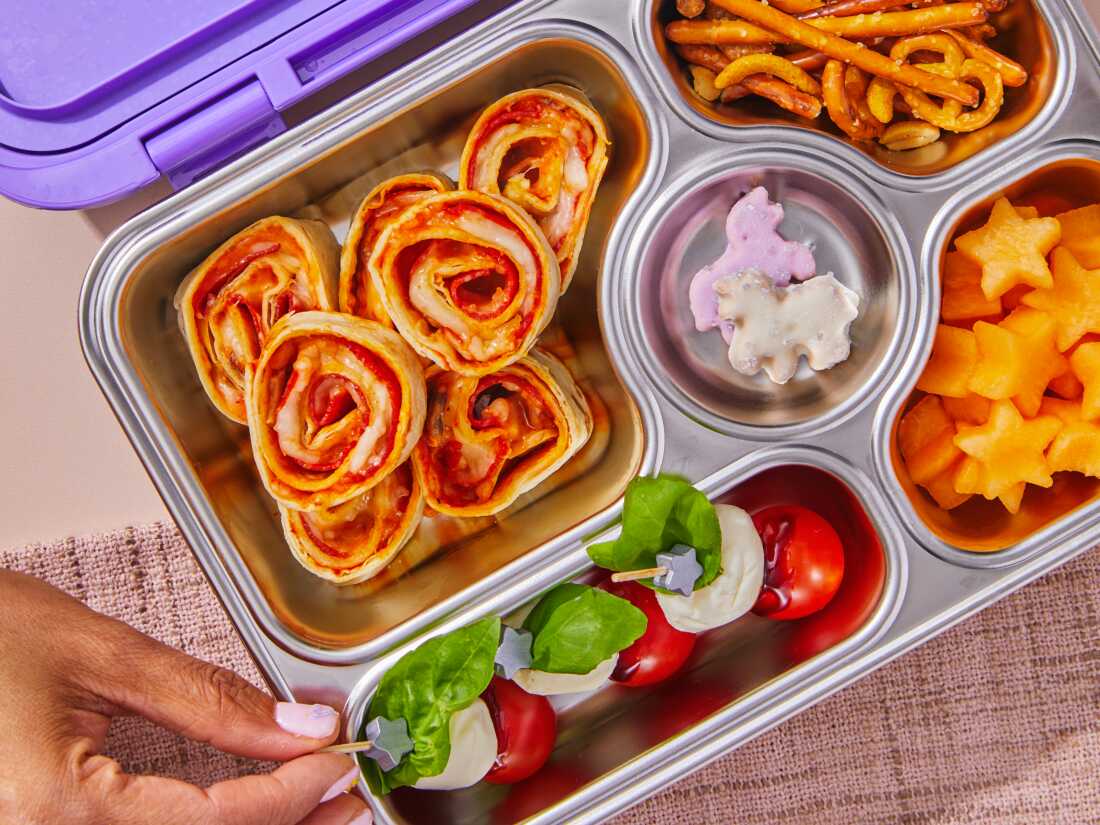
{"x": 99, "y": 98}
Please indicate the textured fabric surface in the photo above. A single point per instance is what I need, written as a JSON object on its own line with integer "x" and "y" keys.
{"x": 996, "y": 721}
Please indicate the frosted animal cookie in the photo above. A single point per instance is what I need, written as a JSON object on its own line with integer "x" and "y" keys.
{"x": 752, "y": 242}
{"x": 774, "y": 326}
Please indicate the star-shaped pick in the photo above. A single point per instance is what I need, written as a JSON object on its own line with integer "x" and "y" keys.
{"x": 513, "y": 653}
{"x": 1011, "y": 249}
{"x": 1077, "y": 447}
{"x": 390, "y": 742}
{"x": 1086, "y": 366}
{"x": 682, "y": 569}
{"x": 1018, "y": 359}
{"x": 1073, "y": 300}
{"x": 1081, "y": 234}
{"x": 1006, "y": 454}
{"x": 954, "y": 356}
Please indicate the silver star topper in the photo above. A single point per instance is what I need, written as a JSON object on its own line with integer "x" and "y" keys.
{"x": 513, "y": 653}
{"x": 682, "y": 570}
{"x": 390, "y": 741}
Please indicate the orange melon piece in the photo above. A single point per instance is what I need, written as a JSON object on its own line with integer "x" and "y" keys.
{"x": 1081, "y": 234}
{"x": 963, "y": 299}
{"x": 954, "y": 357}
{"x": 1010, "y": 249}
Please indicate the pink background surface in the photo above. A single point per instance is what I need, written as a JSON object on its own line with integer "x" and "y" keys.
{"x": 70, "y": 470}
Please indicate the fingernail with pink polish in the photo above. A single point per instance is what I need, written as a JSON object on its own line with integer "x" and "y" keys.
{"x": 344, "y": 784}
{"x": 365, "y": 818}
{"x": 311, "y": 721}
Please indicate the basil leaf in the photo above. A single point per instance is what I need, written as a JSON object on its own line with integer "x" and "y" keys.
{"x": 576, "y": 627}
{"x": 657, "y": 514}
{"x": 426, "y": 687}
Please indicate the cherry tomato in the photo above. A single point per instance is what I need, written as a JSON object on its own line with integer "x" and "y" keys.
{"x": 803, "y": 562}
{"x": 660, "y": 651}
{"x": 526, "y": 727}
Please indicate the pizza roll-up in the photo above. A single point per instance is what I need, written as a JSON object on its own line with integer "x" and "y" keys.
{"x": 335, "y": 405}
{"x": 468, "y": 279}
{"x": 228, "y": 305}
{"x": 354, "y": 541}
{"x": 381, "y": 205}
{"x": 545, "y": 150}
{"x": 488, "y": 439}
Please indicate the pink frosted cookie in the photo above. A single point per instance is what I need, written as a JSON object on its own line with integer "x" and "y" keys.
{"x": 752, "y": 244}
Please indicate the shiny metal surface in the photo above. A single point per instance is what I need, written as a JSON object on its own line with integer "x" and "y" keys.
{"x": 896, "y": 227}
{"x": 1040, "y": 40}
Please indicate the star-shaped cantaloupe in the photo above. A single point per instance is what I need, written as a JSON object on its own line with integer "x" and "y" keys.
{"x": 926, "y": 440}
{"x": 1081, "y": 234}
{"x": 1017, "y": 359}
{"x": 973, "y": 409}
{"x": 1076, "y": 448}
{"x": 1011, "y": 250}
{"x": 954, "y": 356}
{"x": 1085, "y": 361}
{"x": 1073, "y": 300}
{"x": 1005, "y": 454}
{"x": 963, "y": 299}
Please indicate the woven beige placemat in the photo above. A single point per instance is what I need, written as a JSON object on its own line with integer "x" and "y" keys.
{"x": 997, "y": 721}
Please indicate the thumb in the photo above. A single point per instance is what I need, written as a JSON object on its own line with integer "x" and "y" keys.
{"x": 201, "y": 701}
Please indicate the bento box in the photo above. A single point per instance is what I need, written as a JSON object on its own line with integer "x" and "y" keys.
{"x": 661, "y": 398}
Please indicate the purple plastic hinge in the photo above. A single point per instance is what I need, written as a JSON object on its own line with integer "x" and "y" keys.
{"x": 219, "y": 131}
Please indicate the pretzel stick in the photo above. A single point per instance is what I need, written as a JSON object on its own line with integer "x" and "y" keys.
{"x": 778, "y": 92}
{"x": 859, "y": 56}
{"x": 719, "y": 33}
{"x": 797, "y": 6}
{"x": 846, "y": 8}
{"x": 857, "y": 27}
{"x": 1012, "y": 73}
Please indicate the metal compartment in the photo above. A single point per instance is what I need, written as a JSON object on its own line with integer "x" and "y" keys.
{"x": 612, "y": 737}
{"x": 980, "y": 526}
{"x": 201, "y": 466}
{"x": 684, "y": 229}
{"x": 447, "y": 556}
{"x": 1032, "y": 40}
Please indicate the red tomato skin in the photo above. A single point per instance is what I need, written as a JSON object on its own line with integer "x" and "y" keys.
{"x": 526, "y": 727}
{"x": 660, "y": 651}
{"x": 803, "y": 562}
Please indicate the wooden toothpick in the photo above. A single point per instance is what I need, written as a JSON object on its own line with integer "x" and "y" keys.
{"x": 348, "y": 747}
{"x": 635, "y": 575}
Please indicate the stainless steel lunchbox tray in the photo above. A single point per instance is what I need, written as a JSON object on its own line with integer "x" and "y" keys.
{"x": 314, "y": 641}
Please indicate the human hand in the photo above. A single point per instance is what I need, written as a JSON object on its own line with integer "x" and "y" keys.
{"x": 66, "y": 670}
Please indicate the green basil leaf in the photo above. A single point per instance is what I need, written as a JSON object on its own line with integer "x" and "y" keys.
{"x": 576, "y": 627}
{"x": 657, "y": 514}
{"x": 426, "y": 687}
